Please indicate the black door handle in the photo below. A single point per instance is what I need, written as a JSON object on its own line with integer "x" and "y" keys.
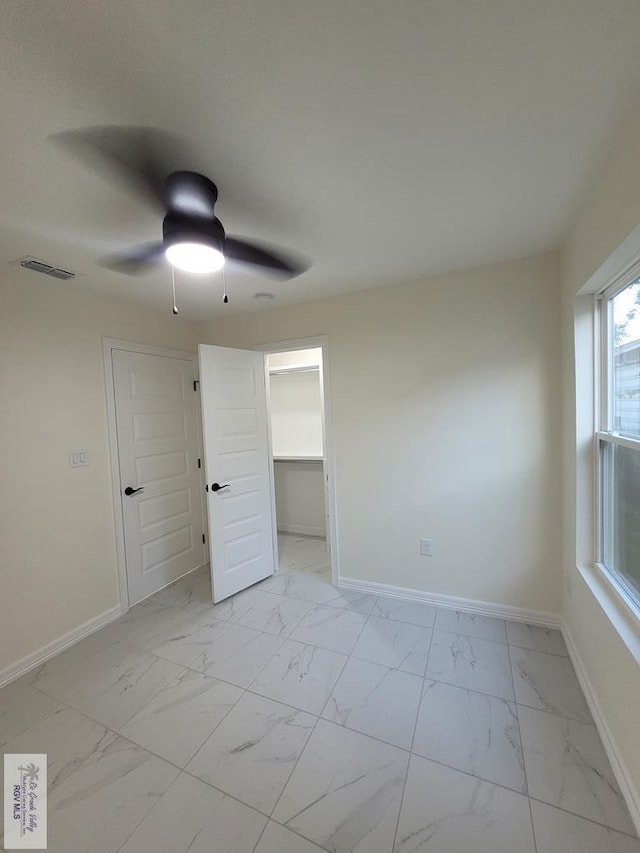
{"x": 129, "y": 491}
{"x": 216, "y": 487}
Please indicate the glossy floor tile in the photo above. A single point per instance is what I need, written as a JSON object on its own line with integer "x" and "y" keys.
{"x": 100, "y": 785}
{"x": 469, "y": 662}
{"x": 472, "y": 732}
{"x": 306, "y": 586}
{"x": 405, "y": 611}
{"x": 194, "y": 817}
{"x": 307, "y": 553}
{"x": 557, "y": 831}
{"x": 188, "y": 641}
{"x": 232, "y": 608}
{"x": 481, "y": 627}
{"x": 274, "y": 614}
{"x": 547, "y": 682}
{"x": 445, "y": 811}
{"x": 537, "y": 638}
{"x": 345, "y": 599}
{"x": 331, "y": 628}
{"x": 145, "y": 626}
{"x": 399, "y": 645}
{"x": 277, "y": 839}
{"x": 237, "y": 654}
{"x": 98, "y": 805}
{"x": 178, "y": 720}
{"x": 20, "y": 707}
{"x": 112, "y": 685}
{"x": 186, "y": 596}
{"x": 568, "y": 767}
{"x": 251, "y": 754}
{"x": 345, "y": 791}
{"x": 295, "y": 717}
{"x": 376, "y": 701}
{"x": 300, "y": 675}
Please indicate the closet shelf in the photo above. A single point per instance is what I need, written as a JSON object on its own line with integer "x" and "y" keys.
{"x": 298, "y": 459}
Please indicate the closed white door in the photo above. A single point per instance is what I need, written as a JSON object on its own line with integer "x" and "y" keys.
{"x": 161, "y": 485}
{"x": 237, "y": 462}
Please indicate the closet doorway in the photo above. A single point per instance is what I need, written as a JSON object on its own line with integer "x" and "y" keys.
{"x": 301, "y": 438}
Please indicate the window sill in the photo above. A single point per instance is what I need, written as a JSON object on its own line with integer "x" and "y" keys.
{"x": 623, "y": 614}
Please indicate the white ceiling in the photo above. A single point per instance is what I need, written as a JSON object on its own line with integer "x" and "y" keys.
{"x": 385, "y": 141}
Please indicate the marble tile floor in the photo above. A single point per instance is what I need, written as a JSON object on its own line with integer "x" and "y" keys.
{"x": 295, "y": 718}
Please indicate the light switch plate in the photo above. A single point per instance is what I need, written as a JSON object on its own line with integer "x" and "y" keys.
{"x": 426, "y": 547}
{"x": 78, "y": 458}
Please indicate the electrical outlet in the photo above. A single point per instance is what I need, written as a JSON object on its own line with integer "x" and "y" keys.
{"x": 426, "y": 547}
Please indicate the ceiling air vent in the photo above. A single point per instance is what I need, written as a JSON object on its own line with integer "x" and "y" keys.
{"x": 38, "y": 266}
{"x": 56, "y": 272}
{"x": 48, "y": 269}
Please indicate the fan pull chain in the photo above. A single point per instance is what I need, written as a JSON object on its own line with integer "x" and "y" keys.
{"x": 173, "y": 291}
{"x": 225, "y": 298}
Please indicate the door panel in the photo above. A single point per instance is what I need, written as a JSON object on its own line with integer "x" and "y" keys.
{"x": 159, "y": 425}
{"x": 234, "y": 415}
{"x": 158, "y": 450}
{"x": 162, "y": 466}
{"x": 163, "y": 508}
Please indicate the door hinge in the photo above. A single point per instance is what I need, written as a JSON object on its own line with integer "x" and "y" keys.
{"x": 204, "y": 538}
{"x": 196, "y": 382}
{"x": 199, "y": 464}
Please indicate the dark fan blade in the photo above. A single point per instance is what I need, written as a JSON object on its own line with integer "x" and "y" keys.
{"x": 141, "y": 157}
{"x": 250, "y": 253}
{"x": 137, "y": 261}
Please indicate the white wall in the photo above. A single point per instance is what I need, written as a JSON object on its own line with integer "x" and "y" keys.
{"x": 300, "y": 497}
{"x": 296, "y": 429}
{"x": 57, "y": 537}
{"x": 311, "y": 357}
{"x": 609, "y": 216}
{"x": 446, "y": 410}
{"x": 296, "y": 414}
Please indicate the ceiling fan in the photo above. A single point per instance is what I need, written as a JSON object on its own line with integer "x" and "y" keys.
{"x": 193, "y": 238}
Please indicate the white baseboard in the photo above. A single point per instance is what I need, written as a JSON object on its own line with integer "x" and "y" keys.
{"x": 302, "y": 529}
{"x": 614, "y": 753}
{"x": 16, "y": 670}
{"x": 468, "y": 605}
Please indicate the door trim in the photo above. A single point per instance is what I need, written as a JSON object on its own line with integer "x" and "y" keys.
{"x": 318, "y": 342}
{"x": 108, "y": 345}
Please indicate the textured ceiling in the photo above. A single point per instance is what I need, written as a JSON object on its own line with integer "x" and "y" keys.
{"x": 383, "y": 141}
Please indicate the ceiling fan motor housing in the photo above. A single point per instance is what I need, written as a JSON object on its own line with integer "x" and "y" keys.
{"x": 181, "y": 228}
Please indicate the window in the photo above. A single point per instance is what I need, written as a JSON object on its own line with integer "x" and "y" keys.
{"x": 619, "y": 437}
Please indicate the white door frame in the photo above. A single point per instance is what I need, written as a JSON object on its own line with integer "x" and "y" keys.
{"x": 108, "y": 345}
{"x": 319, "y": 342}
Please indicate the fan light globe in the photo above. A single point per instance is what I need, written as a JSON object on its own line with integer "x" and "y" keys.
{"x": 194, "y": 257}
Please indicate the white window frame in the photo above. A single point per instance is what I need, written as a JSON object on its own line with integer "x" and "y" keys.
{"x": 605, "y": 435}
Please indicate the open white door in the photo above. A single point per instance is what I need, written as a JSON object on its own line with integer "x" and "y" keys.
{"x": 237, "y": 465}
